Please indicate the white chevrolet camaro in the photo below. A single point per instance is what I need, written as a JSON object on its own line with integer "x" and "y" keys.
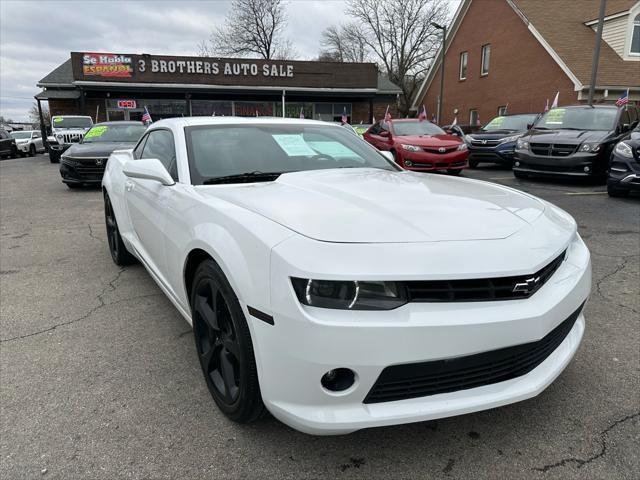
{"x": 336, "y": 290}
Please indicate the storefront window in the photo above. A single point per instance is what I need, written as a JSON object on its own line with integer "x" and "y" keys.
{"x": 164, "y": 108}
{"x": 252, "y": 109}
{"x": 332, "y": 112}
{"x": 292, "y": 110}
{"x": 210, "y": 107}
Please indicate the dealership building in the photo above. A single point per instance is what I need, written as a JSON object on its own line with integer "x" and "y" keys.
{"x": 108, "y": 86}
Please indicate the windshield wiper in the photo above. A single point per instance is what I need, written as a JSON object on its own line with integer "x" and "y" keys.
{"x": 570, "y": 128}
{"x": 244, "y": 178}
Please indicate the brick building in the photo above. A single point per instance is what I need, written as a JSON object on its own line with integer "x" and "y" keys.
{"x": 521, "y": 52}
{"x": 110, "y": 86}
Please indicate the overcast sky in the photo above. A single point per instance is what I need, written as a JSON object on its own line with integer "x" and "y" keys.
{"x": 37, "y": 36}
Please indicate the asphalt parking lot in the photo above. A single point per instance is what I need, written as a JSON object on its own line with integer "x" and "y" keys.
{"x": 99, "y": 377}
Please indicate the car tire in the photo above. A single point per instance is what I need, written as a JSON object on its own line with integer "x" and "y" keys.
{"x": 117, "y": 248}
{"x": 223, "y": 344}
{"x": 615, "y": 191}
{"x": 474, "y": 163}
{"x": 519, "y": 174}
{"x": 73, "y": 186}
{"x": 14, "y": 152}
{"x": 32, "y": 151}
{"x": 454, "y": 171}
{"x": 54, "y": 157}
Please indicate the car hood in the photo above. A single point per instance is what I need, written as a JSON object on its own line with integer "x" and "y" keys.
{"x": 368, "y": 205}
{"x": 99, "y": 149}
{"x": 567, "y": 136}
{"x": 441, "y": 140}
{"x": 495, "y": 134}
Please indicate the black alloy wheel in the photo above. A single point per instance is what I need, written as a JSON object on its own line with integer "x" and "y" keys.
{"x": 119, "y": 252}
{"x": 223, "y": 344}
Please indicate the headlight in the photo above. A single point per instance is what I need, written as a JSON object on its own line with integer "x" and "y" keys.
{"x": 510, "y": 139}
{"x": 520, "y": 143}
{"x": 469, "y": 138}
{"x": 624, "y": 150}
{"x": 462, "y": 146}
{"x": 590, "y": 147}
{"x": 349, "y": 295}
{"x": 411, "y": 148}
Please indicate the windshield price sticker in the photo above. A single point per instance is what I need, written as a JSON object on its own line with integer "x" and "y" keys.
{"x": 333, "y": 149}
{"x": 57, "y": 120}
{"x": 555, "y": 116}
{"x": 496, "y": 122}
{"x": 96, "y": 131}
{"x": 294, "y": 145}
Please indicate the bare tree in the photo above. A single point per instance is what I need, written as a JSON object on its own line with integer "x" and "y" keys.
{"x": 34, "y": 115}
{"x": 344, "y": 44}
{"x": 251, "y": 28}
{"x": 400, "y": 34}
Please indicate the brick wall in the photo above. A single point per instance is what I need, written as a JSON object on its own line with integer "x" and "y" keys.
{"x": 521, "y": 72}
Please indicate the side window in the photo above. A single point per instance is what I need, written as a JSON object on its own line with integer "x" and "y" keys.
{"x": 160, "y": 145}
{"x": 375, "y": 130}
{"x": 624, "y": 118}
{"x": 137, "y": 152}
{"x": 36, "y": 135}
{"x": 384, "y": 127}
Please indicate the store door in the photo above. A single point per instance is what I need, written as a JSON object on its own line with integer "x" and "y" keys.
{"x": 115, "y": 114}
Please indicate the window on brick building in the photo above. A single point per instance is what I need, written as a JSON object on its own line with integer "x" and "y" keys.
{"x": 473, "y": 117}
{"x": 463, "y": 65}
{"x": 486, "y": 56}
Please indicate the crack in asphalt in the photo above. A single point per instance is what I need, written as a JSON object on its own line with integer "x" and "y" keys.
{"x": 581, "y": 462}
{"x": 92, "y": 235}
{"x": 617, "y": 270}
{"x": 110, "y": 287}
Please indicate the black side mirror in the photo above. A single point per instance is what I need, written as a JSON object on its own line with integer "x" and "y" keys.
{"x": 529, "y": 126}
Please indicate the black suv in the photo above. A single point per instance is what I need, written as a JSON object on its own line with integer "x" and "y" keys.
{"x": 7, "y": 145}
{"x": 573, "y": 141}
{"x": 624, "y": 170}
{"x": 496, "y": 141}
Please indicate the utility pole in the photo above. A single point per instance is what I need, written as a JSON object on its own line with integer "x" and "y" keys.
{"x": 596, "y": 52}
{"x": 441, "y": 97}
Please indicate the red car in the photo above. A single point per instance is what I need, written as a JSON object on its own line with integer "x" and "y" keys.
{"x": 419, "y": 145}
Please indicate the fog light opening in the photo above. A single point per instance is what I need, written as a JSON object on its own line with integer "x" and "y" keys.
{"x": 338, "y": 379}
{"x": 587, "y": 169}
{"x": 408, "y": 163}
{"x": 517, "y": 164}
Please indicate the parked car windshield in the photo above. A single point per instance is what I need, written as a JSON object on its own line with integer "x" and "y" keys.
{"x": 114, "y": 133}
{"x": 583, "y": 118}
{"x": 71, "y": 122}
{"x": 416, "y": 128}
{"x": 19, "y": 135}
{"x": 511, "y": 122}
{"x": 220, "y": 151}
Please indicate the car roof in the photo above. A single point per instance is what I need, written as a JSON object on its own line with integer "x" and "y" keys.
{"x": 196, "y": 121}
{"x": 120, "y": 122}
{"x": 590, "y": 106}
{"x": 72, "y": 116}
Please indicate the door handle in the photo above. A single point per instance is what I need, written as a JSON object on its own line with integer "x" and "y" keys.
{"x": 129, "y": 185}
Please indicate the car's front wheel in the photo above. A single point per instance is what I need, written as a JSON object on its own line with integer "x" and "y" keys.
{"x": 54, "y": 157}
{"x": 223, "y": 344}
{"x": 615, "y": 191}
{"x": 519, "y": 174}
{"x": 118, "y": 250}
{"x": 32, "y": 151}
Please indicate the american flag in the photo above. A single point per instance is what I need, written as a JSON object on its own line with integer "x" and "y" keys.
{"x": 146, "y": 117}
{"x": 344, "y": 118}
{"x": 387, "y": 114}
{"x": 302, "y": 113}
{"x": 624, "y": 99}
{"x": 423, "y": 114}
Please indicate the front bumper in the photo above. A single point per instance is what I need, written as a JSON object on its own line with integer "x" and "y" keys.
{"x": 23, "y": 147}
{"x": 85, "y": 172}
{"x": 624, "y": 173}
{"x": 579, "y": 164}
{"x": 425, "y": 161}
{"x": 58, "y": 148}
{"x": 306, "y": 342}
{"x": 502, "y": 154}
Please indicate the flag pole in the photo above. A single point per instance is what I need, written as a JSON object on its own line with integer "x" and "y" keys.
{"x": 596, "y": 52}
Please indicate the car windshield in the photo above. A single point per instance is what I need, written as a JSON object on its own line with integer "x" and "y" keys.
{"x": 416, "y": 128}
{"x": 114, "y": 133}
{"x": 19, "y": 135}
{"x": 71, "y": 122}
{"x": 584, "y": 118}
{"x": 511, "y": 122}
{"x": 221, "y": 151}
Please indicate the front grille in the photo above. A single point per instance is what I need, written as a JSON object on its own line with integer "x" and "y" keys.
{"x": 90, "y": 168}
{"x": 70, "y": 137}
{"x": 482, "y": 289}
{"x": 401, "y": 382}
{"x": 553, "y": 150}
{"x": 485, "y": 143}
{"x": 444, "y": 150}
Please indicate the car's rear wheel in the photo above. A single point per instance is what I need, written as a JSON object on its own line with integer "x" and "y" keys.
{"x": 119, "y": 252}
{"x": 519, "y": 174}
{"x": 14, "y": 152}
{"x": 474, "y": 163}
{"x": 223, "y": 344}
{"x": 615, "y": 191}
{"x": 454, "y": 171}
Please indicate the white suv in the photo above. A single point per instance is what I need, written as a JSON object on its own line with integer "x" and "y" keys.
{"x": 65, "y": 131}
{"x": 28, "y": 142}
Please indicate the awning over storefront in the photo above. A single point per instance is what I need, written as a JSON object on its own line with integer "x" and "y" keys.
{"x": 58, "y": 95}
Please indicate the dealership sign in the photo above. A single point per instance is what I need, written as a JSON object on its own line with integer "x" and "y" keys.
{"x": 106, "y": 65}
{"x": 214, "y": 71}
{"x": 126, "y": 104}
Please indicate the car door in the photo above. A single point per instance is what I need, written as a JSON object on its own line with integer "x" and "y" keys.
{"x": 36, "y": 139}
{"x": 147, "y": 200}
